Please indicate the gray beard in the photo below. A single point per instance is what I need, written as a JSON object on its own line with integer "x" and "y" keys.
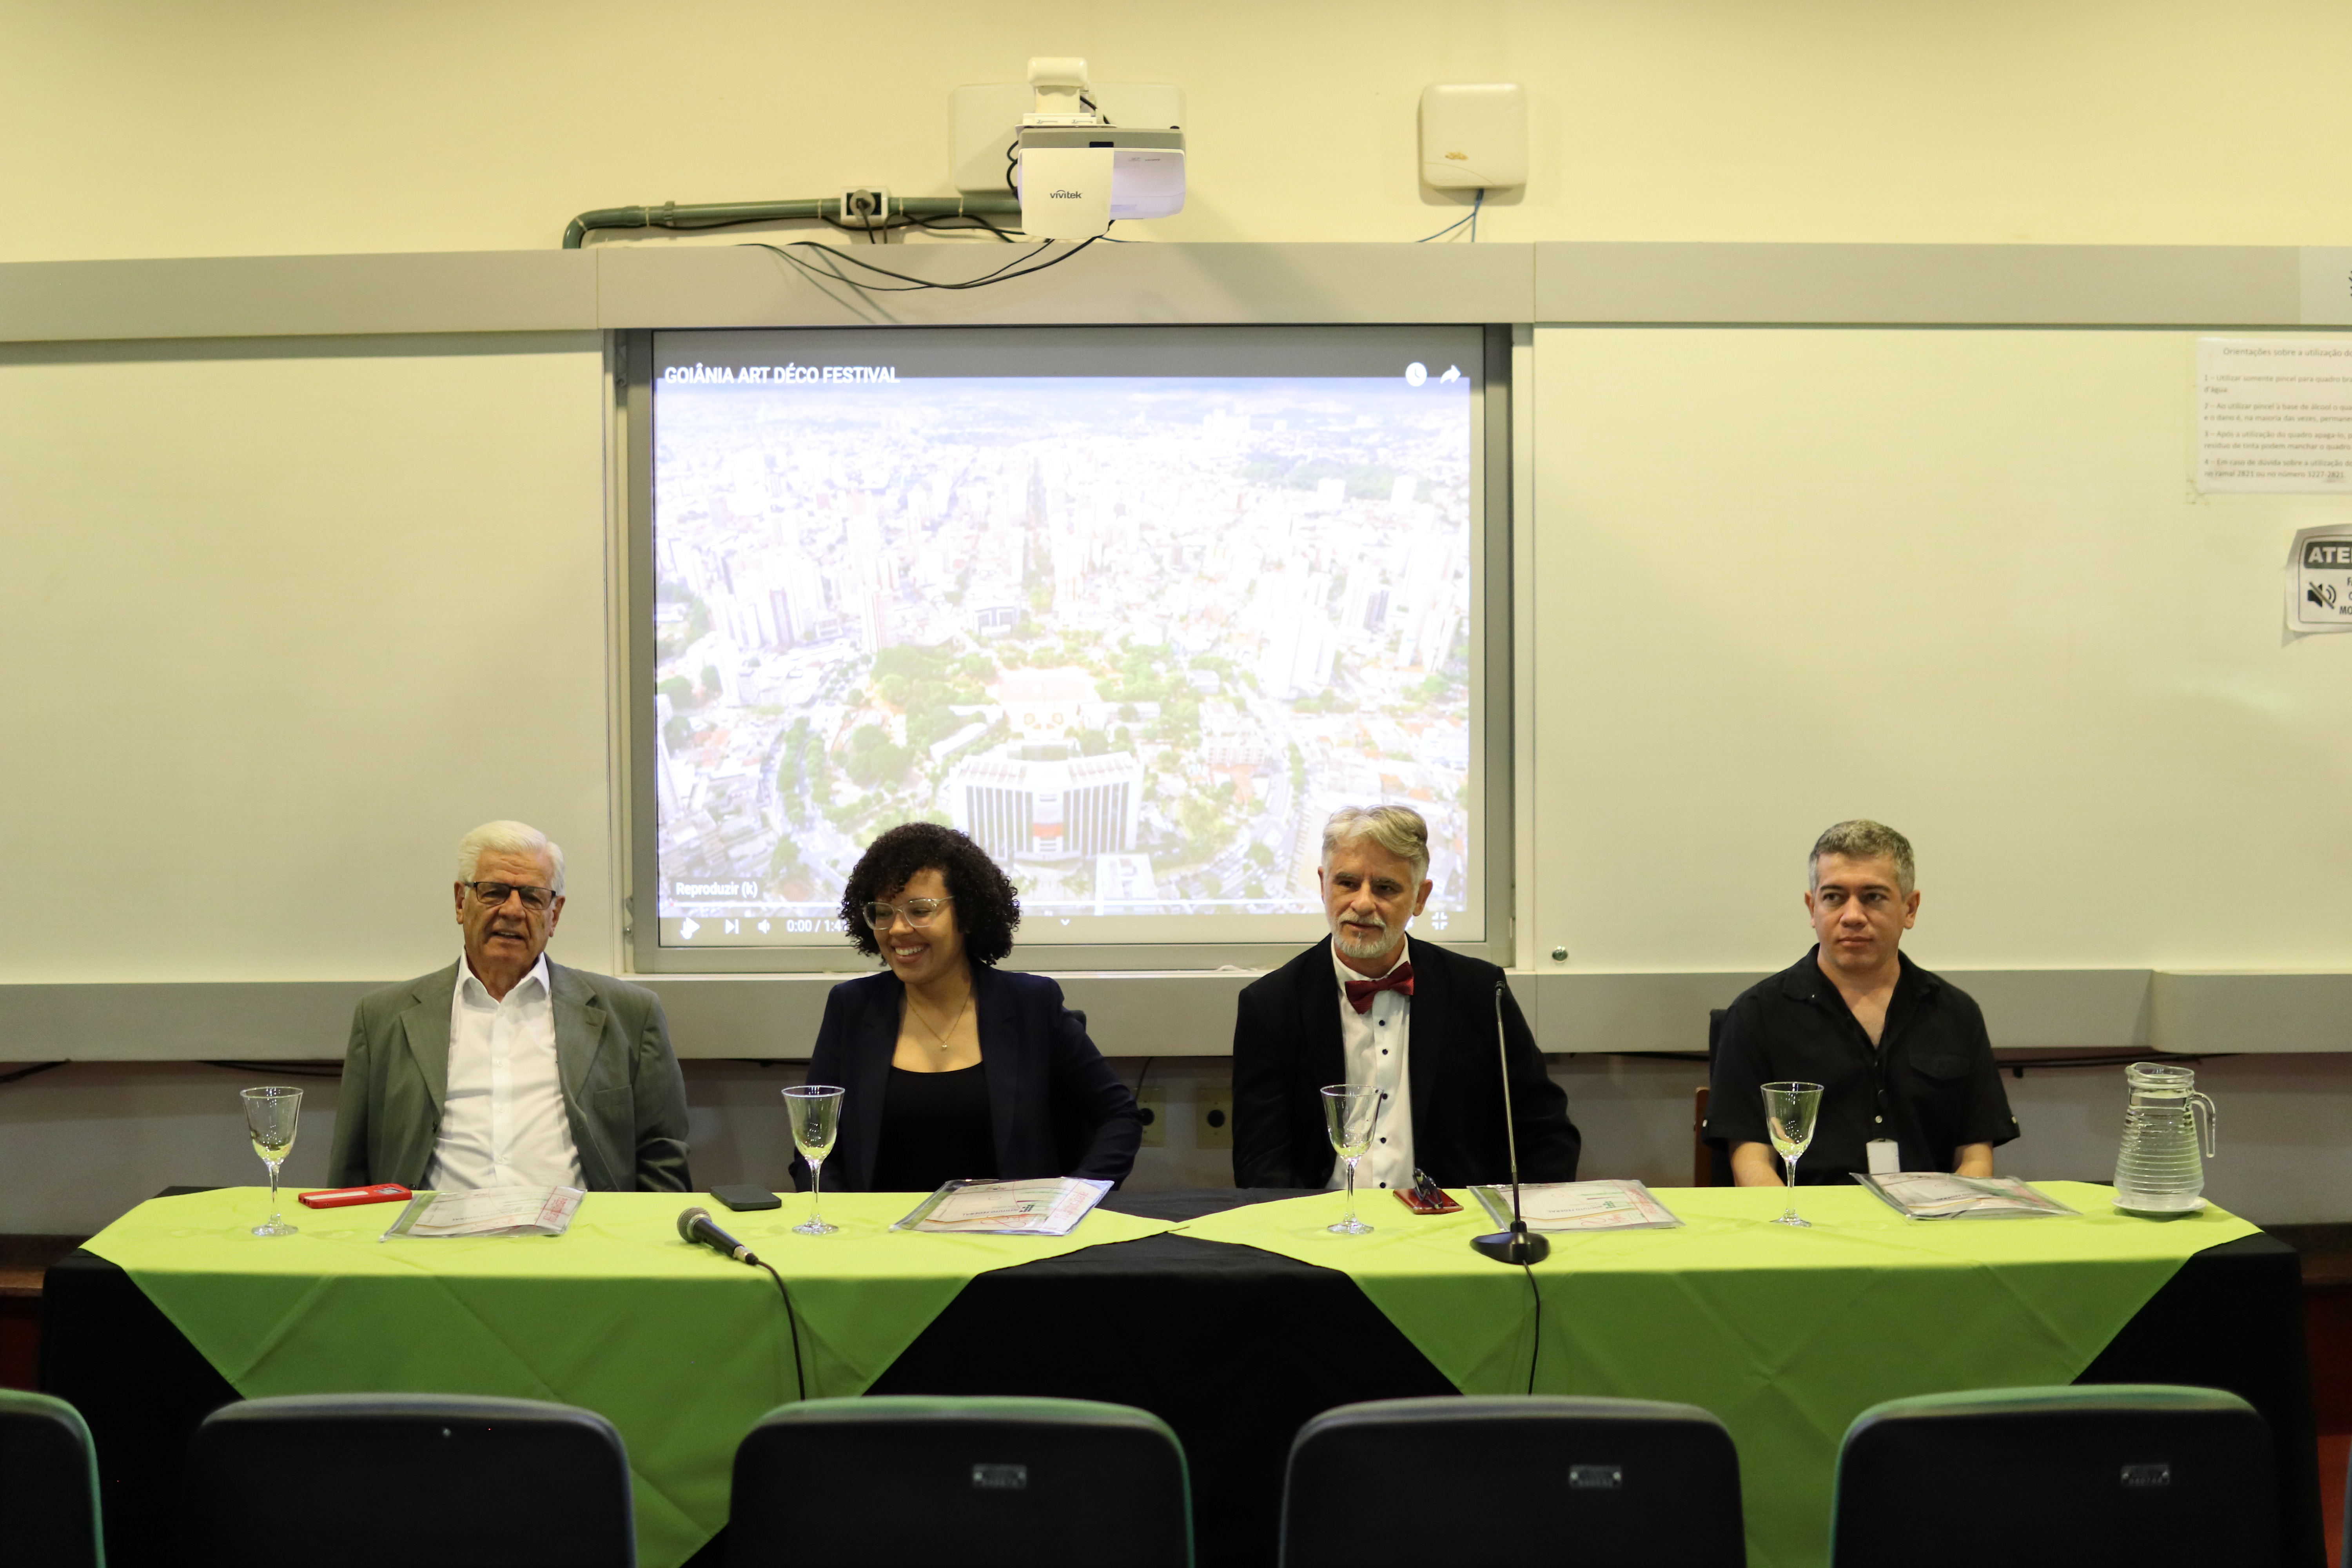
{"x": 1372, "y": 947}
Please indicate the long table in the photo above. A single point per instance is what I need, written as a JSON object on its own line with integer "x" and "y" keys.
{"x": 1235, "y": 1347}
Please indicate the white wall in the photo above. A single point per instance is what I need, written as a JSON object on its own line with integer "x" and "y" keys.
{"x": 293, "y": 127}
{"x": 1958, "y": 581}
{"x": 279, "y": 623}
{"x": 243, "y": 592}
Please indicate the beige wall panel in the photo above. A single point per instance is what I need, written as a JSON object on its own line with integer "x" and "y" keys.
{"x": 281, "y": 127}
{"x": 279, "y": 627}
{"x": 1958, "y": 581}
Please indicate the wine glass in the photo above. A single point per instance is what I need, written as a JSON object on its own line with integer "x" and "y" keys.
{"x": 1788, "y": 1113}
{"x": 816, "y": 1116}
{"x": 270, "y": 1115}
{"x": 1350, "y": 1110}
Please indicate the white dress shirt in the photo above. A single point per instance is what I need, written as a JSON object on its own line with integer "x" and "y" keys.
{"x": 1373, "y": 1045}
{"x": 502, "y": 1120}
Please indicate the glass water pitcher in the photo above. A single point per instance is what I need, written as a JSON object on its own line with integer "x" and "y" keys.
{"x": 2159, "y": 1170}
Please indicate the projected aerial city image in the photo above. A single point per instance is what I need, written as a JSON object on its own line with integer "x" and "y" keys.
{"x": 1137, "y": 637}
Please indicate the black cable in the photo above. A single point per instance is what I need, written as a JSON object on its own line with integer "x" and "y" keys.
{"x": 1004, "y": 274}
{"x": 1536, "y": 1353}
{"x": 833, "y": 272}
{"x": 835, "y": 255}
{"x": 23, "y": 1073}
{"x": 793, "y": 1327}
{"x": 1139, "y": 1076}
{"x": 935, "y": 223}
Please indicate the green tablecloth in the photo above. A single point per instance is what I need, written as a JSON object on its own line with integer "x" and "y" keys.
{"x": 1785, "y": 1334}
{"x": 679, "y": 1348}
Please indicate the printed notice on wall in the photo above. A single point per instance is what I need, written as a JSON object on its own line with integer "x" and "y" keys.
{"x": 2275, "y": 415}
{"x": 2320, "y": 581}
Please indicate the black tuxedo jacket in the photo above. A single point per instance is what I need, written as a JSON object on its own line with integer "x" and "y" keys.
{"x": 1286, "y": 1047}
{"x": 1055, "y": 1106}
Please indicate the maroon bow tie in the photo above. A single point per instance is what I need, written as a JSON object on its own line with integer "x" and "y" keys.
{"x": 1362, "y": 991}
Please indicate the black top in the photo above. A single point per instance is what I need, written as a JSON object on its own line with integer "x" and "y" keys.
{"x": 935, "y": 1129}
{"x": 1930, "y": 1084}
{"x": 1287, "y": 1047}
{"x": 1055, "y": 1107}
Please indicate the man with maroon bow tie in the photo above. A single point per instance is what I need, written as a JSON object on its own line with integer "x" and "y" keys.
{"x": 1369, "y": 1006}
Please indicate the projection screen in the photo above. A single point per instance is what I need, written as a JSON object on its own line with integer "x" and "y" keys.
{"x": 1136, "y": 608}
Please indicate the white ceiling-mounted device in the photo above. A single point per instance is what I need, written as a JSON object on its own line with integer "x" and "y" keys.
{"x": 1474, "y": 135}
{"x": 1079, "y": 156}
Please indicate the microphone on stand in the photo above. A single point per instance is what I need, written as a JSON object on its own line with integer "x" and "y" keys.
{"x": 1516, "y": 1245}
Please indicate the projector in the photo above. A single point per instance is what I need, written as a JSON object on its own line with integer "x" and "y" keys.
{"x": 1077, "y": 174}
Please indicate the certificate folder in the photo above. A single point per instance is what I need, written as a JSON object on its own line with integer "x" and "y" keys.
{"x": 1932, "y": 1194}
{"x": 1557, "y": 1207}
{"x": 1050, "y": 1205}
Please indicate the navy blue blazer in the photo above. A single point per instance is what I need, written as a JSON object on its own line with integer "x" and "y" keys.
{"x": 1056, "y": 1107}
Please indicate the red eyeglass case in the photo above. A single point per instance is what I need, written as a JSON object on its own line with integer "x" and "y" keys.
{"x": 344, "y": 1197}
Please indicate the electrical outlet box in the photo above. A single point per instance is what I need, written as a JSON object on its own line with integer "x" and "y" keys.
{"x": 1474, "y": 135}
{"x": 869, "y": 205}
{"x": 984, "y": 121}
{"x": 1212, "y": 1119}
{"x": 1152, "y": 1099}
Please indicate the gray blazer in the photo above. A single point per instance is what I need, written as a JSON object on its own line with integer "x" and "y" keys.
{"x": 621, "y": 1090}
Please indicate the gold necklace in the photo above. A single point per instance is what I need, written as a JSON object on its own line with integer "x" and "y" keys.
{"x": 938, "y": 1039}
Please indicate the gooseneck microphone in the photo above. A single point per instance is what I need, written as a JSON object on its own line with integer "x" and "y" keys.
{"x": 1516, "y": 1245}
{"x": 695, "y": 1225}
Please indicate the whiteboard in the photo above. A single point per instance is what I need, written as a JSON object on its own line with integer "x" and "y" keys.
{"x": 279, "y": 623}
{"x": 1959, "y": 581}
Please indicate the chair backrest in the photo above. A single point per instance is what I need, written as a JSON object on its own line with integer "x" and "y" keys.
{"x": 1599, "y": 1483}
{"x": 2143, "y": 1474}
{"x": 48, "y": 1485}
{"x": 960, "y": 1483}
{"x": 1717, "y": 1156}
{"x": 390, "y": 1480}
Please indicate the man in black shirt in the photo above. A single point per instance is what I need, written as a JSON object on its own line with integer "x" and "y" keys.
{"x": 1906, "y": 1071}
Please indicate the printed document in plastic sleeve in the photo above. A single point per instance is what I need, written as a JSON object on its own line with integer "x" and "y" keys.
{"x": 1580, "y": 1206}
{"x": 1050, "y": 1205}
{"x": 489, "y": 1211}
{"x": 1932, "y": 1194}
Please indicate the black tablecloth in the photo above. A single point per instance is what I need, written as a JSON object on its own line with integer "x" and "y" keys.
{"x": 1233, "y": 1347}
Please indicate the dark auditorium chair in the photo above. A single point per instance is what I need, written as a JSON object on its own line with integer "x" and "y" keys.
{"x": 937, "y": 1482}
{"x": 1513, "y": 1480}
{"x": 2138, "y": 1474}
{"x": 48, "y": 1485}
{"x": 395, "y": 1480}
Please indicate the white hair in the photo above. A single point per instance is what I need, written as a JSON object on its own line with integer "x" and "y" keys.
{"x": 510, "y": 838}
{"x": 1397, "y": 829}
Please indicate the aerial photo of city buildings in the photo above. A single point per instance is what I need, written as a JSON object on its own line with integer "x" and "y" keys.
{"x": 1137, "y": 637}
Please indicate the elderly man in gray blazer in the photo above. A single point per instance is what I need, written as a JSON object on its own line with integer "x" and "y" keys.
{"x": 505, "y": 1070}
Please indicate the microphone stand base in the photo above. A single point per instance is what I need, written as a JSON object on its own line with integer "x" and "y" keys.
{"x": 1514, "y": 1246}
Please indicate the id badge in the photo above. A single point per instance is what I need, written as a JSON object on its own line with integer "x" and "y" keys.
{"x": 1885, "y": 1156}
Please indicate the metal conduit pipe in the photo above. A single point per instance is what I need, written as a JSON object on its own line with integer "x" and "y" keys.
{"x": 714, "y": 215}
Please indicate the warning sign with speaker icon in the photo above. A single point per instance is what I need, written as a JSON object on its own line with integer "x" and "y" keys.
{"x": 2320, "y": 581}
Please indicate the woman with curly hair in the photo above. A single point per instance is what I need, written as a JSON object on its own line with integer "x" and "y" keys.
{"x": 954, "y": 1067}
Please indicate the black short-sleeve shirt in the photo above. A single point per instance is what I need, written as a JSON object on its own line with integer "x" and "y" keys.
{"x": 1930, "y": 1083}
